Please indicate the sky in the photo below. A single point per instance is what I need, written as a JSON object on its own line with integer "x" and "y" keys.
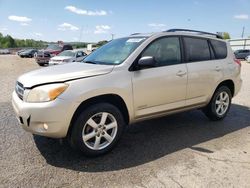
{"x": 95, "y": 20}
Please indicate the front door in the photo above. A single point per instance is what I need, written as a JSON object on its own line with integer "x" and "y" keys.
{"x": 163, "y": 87}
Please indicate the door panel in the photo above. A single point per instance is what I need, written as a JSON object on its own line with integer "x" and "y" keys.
{"x": 162, "y": 87}
{"x": 159, "y": 89}
{"x": 203, "y": 73}
{"x": 202, "y": 78}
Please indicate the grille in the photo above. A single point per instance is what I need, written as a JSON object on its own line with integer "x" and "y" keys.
{"x": 19, "y": 90}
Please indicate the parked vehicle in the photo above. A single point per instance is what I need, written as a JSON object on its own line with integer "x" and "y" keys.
{"x": 42, "y": 58}
{"x": 4, "y": 51}
{"x": 127, "y": 80}
{"x": 248, "y": 59}
{"x": 20, "y": 51}
{"x": 68, "y": 56}
{"x": 28, "y": 53}
{"x": 52, "y": 50}
{"x": 242, "y": 54}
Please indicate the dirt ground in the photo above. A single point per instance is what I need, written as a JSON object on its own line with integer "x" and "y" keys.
{"x": 183, "y": 150}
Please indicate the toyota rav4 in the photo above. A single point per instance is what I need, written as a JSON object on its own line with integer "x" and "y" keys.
{"x": 129, "y": 79}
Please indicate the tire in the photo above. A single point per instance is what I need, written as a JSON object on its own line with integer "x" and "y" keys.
{"x": 212, "y": 110}
{"x": 89, "y": 125}
{"x": 42, "y": 64}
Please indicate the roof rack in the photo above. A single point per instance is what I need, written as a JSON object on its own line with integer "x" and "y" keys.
{"x": 195, "y": 31}
{"x": 135, "y": 34}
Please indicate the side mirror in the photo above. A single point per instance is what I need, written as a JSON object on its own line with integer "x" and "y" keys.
{"x": 147, "y": 61}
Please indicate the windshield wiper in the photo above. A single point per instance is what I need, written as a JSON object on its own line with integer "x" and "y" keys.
{"x": 90, "y": 62}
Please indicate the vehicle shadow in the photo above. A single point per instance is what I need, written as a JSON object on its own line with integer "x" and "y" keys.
{"x": 148, "y": 141}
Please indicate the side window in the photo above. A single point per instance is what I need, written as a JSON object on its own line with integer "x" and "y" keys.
{"x": 220, "y": 49}
{"x": 79, "y": 54}
{"x": 67, "y": 47}
{"x": 196, "y": 49}
{"x": 166, "y": 51}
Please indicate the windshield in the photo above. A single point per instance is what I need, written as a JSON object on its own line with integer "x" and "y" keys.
{"x": 54, "y": 47}
{"x": 114, "y": 52}
{"x": 67, "y": 53}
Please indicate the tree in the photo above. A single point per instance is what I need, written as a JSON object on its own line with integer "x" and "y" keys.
{"x": 101, "y": 43}
{"x": 226, "y": 35}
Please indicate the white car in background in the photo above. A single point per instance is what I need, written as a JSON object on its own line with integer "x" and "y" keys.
{"x": 248, "y": 59}
{"x": 68, "y": 56}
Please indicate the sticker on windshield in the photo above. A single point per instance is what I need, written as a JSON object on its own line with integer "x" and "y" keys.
{"x": 135, "y": 40}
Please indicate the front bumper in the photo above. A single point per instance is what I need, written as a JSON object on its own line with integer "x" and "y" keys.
{"x": 51, "y": 119}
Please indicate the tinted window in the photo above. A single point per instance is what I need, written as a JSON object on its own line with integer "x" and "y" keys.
{"x": 67, "y": 47}
{"x": 196, "y": 49}
{"x": 166, "y": 51}
{"x": 54, "y": 47}
{"x": 246, "y": 51}
{"x": 242, "y": 51}
{"x": 220, "y": 49}
{"x": 79, "y": 54}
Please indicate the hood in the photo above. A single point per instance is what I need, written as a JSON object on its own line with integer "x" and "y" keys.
{"x": 63, "y": 73}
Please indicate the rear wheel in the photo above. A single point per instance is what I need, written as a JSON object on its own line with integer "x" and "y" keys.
{"x": 219, "y": 105}
{"x": 97, "y": 129}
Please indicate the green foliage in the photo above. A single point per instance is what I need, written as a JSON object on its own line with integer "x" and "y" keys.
{"x": 101, "y": 43}
{"x": 8, "y": 42}
{"x": 226, "y": 35}
{"x": 79, "y": 45}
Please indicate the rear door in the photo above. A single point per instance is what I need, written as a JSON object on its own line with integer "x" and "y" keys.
{"x": 204, "y": 70}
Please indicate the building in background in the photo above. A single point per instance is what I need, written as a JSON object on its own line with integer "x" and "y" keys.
{"x": 239, "y": 44}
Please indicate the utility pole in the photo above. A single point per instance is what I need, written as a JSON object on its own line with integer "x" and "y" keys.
{"x": 243, "y": 32}
{"x": 80, "y": 37}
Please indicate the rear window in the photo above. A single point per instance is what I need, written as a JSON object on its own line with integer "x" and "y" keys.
{"x": 242, "y": 51}
{"x": 220, "y": 49}
{"x": 196, "y": 49}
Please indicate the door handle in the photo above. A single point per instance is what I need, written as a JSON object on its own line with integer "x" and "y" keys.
{"x": 217, "y": 68}
{"x": 181, "y": 73}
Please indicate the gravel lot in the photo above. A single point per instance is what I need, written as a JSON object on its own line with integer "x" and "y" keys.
{"x": 183, "y": 150}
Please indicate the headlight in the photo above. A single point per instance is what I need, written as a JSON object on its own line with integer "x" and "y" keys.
{"x": 46, "y": 93}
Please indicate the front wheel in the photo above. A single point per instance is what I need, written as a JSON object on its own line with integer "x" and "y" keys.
{"x": 219, "y": 105}
{"x": 97, "y": 129}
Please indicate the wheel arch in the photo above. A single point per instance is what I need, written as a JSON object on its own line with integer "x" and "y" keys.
{"x": 113, "y": 99}
{"x": 229, "y": 84}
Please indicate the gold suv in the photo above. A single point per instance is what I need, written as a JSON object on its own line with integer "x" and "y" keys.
{"x": 129, "y": 79}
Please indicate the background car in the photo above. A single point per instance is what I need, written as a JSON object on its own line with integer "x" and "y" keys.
{"x": 28, "y": 53}
{"x": 4, "y": 51}
{"x": 43, "y": 56}
{"x": 67, "y": 57}
{"x": 20, "y": 51}
{"x": 248, "y": 59}
{"x": 242, "y": 54}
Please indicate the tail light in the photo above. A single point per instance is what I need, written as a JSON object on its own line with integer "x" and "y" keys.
{"x": 237, "y": 61}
